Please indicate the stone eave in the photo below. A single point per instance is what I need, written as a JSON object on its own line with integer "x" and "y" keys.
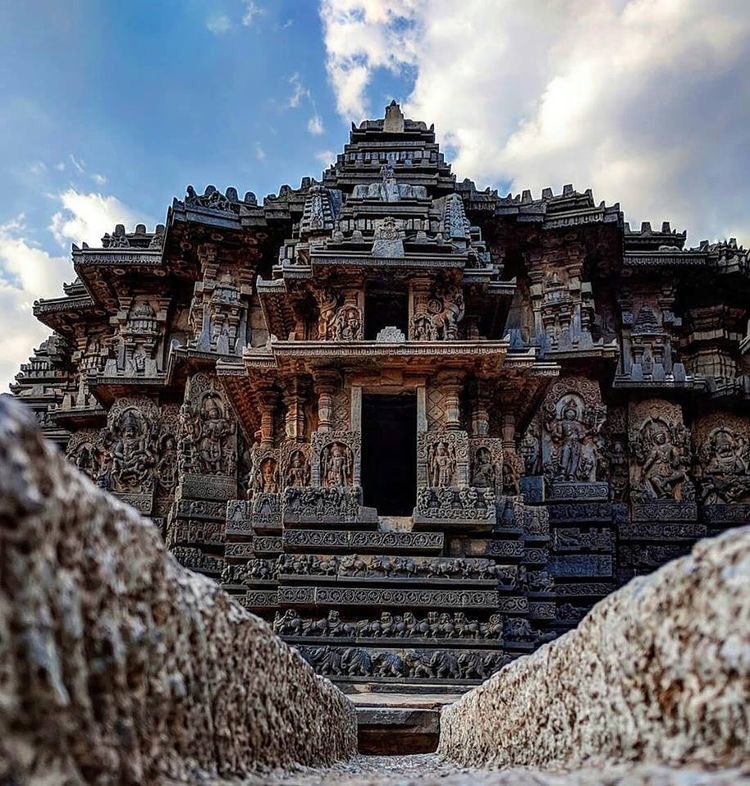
{"x": 117, "y": 257}
{"x": 108, "y": 389}
{"x": 486, "y": 358}
{"x": 78, "y": 417}
{"x": 274, "y": 305}
{"x": 574, "y": 218}
{"x": 501, "y": 288}
{"x": 64, "y": 314}
{"x": 196, "y": 214}
{"x": 384, "y": 349}
{"x": 665, "y": 259}
{"x": 609, "y": 352}
{"x": 692, "y": 384}
{"x": 450, "y": 261}
{"x": 58, "y": 304}
{"x": 183, "y": 360}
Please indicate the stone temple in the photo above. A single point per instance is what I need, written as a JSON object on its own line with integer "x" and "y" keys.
{"x": 418, "y": 427}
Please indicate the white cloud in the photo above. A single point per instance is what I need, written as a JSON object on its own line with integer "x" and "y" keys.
{"x": 645, "y": 101}
{"x": 80, "y": 166}
{"x": 38, "y": 168}
{"x": 60, "y": 166}
{"x": 252, "y": 10}
{"x": 299, "y": 91}
{"x": 99, "y": 179}
{"x": 219, "y": 24}
{"x": 260, "y": 153}
{"x": 326, "y": 157}
{"x": 315, "y": 125}
{"x": 86, "y": 217}
{"x": 361, "y": 36}
{"x": 27, "y": 272}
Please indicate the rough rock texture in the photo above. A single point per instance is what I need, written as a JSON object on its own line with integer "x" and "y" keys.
{"x": 428, "y": 770}
{"x": 118, "y": 666}
{"x": 657, "y": 672}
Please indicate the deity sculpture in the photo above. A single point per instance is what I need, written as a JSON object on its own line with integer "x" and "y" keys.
{"x": 337, "y": 465}
{"x": 442, "y": 465}
{"x": 438, "y": 318}
{"x": 297, "y": 473}
{"x": 214, "y": 433}
{"x": 574, "y": 455}
{"x": 327, "y": 304}
{"x": 186, "y": 442}
{"x": 484, "y": 475}
{"x": 347, "y": 324}
{"x": 132, "y": 459}
{"x": 267, "y": 479}
{"x": 725, "y": 467}
{"x": 569, "y": 434}
{"x": 661, "y": 453}
{"x": 166, "y": 469}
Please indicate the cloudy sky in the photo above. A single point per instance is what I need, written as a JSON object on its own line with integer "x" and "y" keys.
{"x": 110, "y": 108}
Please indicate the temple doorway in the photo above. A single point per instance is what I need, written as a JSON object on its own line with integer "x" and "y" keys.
{"x": 389, "y": 453}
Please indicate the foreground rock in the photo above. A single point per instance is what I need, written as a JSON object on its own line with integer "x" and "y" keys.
{"x": 117, "y": 666}
{"x": 657, "y": 672}
{"x": 428, "y": 770}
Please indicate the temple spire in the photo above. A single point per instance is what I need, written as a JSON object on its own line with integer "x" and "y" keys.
{"x": 394, "y": 119}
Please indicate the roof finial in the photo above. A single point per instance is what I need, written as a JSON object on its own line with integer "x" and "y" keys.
{"x": 394, "y": 119}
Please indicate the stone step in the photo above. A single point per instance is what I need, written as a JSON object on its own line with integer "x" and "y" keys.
{"x": 402, "y": 523}
{"x": 392, "y": 724}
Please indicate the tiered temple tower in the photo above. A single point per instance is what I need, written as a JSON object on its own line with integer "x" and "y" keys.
{"x": 418, "y": 427}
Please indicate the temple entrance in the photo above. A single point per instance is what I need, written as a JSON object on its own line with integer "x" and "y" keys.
{"x": 389, "y": 453}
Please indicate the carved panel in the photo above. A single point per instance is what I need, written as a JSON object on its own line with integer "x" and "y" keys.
{"x": 661, "y": 455}
{"x": 335, "y": 458}
{"x": 486, "y": 463}
{"x": 573, "y": 416}
{"x": 208, "y": 434}
{"x": 722, "y": 454}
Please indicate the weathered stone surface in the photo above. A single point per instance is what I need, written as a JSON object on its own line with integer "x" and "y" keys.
{"x": 118, "y": 666}
{"x": 429, "y": 770}
{"x": 657, "y": 672}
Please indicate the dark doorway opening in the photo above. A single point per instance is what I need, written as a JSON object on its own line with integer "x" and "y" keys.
{"x": 389, "y": 453}
{"x": 386, "y": 308}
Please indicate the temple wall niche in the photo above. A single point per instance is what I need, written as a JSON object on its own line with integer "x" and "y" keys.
{"x": 134, "y": 456}
{"x": 721, "y": 442}
{"x": 571, "y": 442}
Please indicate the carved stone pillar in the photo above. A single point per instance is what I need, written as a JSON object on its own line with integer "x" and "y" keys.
{"x": 267, "y": 400}
{"x": 356, "y": 408}
{"x": 295, "y": 395}
{"x": 421, "y": 408}
{"x": 480, "y": 410}
{"x": 509, "y": 431}
{"x": 326, "y": 383}
{"x": 451, "y": 385}
{"x": 419, "y": 294}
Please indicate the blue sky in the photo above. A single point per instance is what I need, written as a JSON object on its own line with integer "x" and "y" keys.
{"x": 145, "y": 95}
{"x": 110, "y": 108}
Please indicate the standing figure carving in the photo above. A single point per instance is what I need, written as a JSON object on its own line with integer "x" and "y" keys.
{"x": 442, "y": 465}
{"x": 298, "y": 473}
{"x": 572, "y": 424}
{"x": 214, "y": 452}
{"x": 337, "y": 465}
